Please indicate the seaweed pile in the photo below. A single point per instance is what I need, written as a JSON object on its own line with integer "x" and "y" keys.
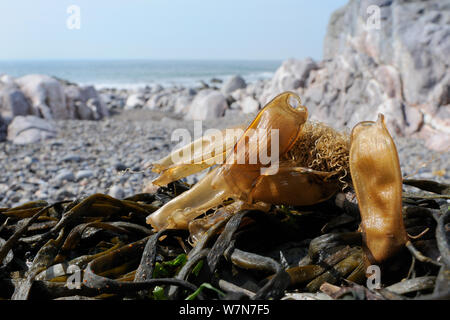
{"x": 100, "y": 247}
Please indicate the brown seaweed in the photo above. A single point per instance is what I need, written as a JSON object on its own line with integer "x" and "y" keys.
{"x": 117, "y": 256}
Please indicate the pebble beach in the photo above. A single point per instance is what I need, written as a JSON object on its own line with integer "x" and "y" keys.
{"x": 96, "y": 143}
{"x": 111, "y": 156}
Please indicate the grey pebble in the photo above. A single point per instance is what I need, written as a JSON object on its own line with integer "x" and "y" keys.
{"x": 72, "y": 157}
{"x": 120, "y": 166}
{"x": 116, "y": 192}
{"x": 65, "y": 174}
{"x": 29, "y": 160}
{"x": 64, "y": 194}
{"x": 88, "y": 157}
{"x": 84, "y": 174}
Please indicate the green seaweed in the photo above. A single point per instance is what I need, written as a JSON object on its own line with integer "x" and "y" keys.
{"x": 200, "y": 289}
{"x": 197, "y": 268}
{"x": 158, "y": 293}
{"x": 169, "y": 268}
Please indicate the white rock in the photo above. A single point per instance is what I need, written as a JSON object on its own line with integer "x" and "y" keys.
{"x": 182, "y": 104}
{"x": 30, "y": 129}
{"x": 85, "y": 102}
{"x": 93, "y": 100}
{"x": 291, "y": 75}
{"x": 207, "y": 104}
{"x": 238, "y": 94}
{"x": 46, "y": 95}
{"x": 7, "y": 79}
{"x": 157, "y": 101}
{"x": 134, "y": 101}
{"x": 106, "y": 98}
{"x": 84, "y": 174}
{"x": 235, "y": 106}
{"x": 64, "y": 175}
{"x": 249, "y": 105}
{"x": 116, "y": 192}
{"x": 3, "y": 188}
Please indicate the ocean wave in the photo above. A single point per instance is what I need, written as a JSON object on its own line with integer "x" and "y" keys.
{"x": 187, "y": 82}
{"x": 136, "y": 74}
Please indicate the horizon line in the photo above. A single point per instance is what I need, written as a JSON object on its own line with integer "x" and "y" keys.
{"x": 144, "y": 59}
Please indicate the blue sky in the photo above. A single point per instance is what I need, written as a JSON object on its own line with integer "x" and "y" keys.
{"x": 165, "y": 29}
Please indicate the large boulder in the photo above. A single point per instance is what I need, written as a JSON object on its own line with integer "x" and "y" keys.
{"x": 93, "y": 101}
{"x": 183, "y": 101}
{"x": 398, "y": 67}
{"x": 30, "y": 129}
{"x": 291, "y": 75}
{"x": 76, "y": 102}
{"x": 207, "y": 104}
{"x": 232, "y": 84}
{"x": 85, "y": 102}
{"x": 46, "y": 95}
{"x": 49, "y": 98}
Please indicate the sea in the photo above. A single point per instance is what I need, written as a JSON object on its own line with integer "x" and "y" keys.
{"x": 133, "y": 74}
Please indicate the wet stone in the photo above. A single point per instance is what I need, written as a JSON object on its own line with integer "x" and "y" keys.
{"x": 65, "y": 175}
{"x": 84, "y": 174}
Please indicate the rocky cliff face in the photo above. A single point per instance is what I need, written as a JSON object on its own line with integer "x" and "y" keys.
{"x": 397, "y": 65}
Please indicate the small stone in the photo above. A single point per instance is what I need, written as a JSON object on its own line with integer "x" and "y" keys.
{"x": 116, "y": 192}
{"x": 72, "y": 158}
{"x": 134, "y": 101}
{"x": 3, "y": 188}
{"x": 65, "y": 175}
{"x": 120, "y": 166}
{"x": 64, "y": 194}
{"x": 427, "y": 175}
{"x": 84, "y": 174}
{"x": 29, "y": 160}
{"x": 41, "y": 194}
{"x": 235, "y": 106}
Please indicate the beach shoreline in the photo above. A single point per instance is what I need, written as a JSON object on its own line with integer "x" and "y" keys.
{"x": 111, "y": 156}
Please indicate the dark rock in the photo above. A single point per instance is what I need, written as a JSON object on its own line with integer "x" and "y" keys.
{"x": 120, "y": 166}
{"x": 232, "y": 84}
{"x": 13, "y": 103}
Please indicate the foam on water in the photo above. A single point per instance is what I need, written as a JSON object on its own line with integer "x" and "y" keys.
{"x": 133, "y": 74}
